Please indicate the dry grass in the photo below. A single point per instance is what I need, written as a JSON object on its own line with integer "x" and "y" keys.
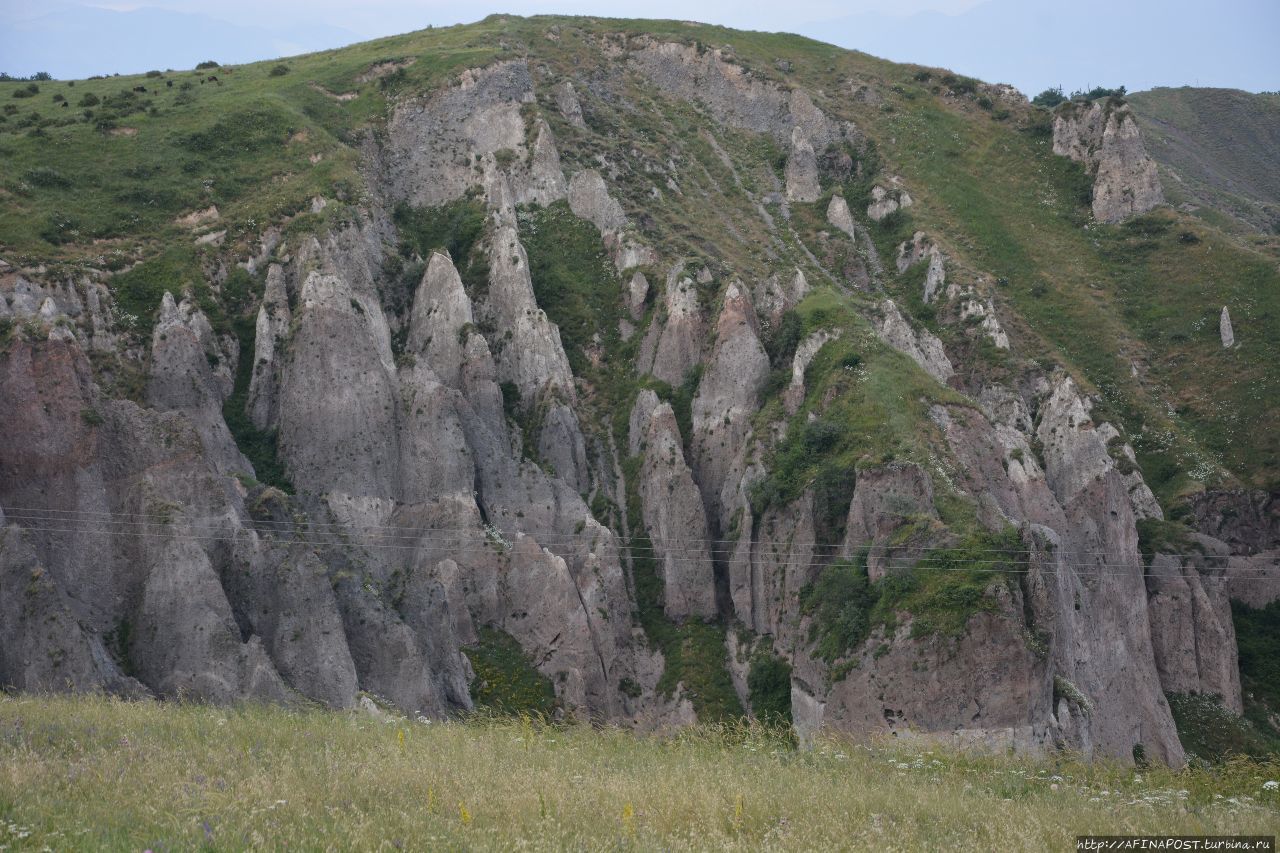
{"x": 93, "y": 773}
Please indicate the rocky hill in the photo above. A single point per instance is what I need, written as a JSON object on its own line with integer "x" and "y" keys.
{"x": 1216, "y": 149}
{"x": 647, "y": 372}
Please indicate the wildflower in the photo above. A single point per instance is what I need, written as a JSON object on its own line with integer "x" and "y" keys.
{"x": 463, "y": 814}
{"x": 629, "y": 819}
{"x": 1272, "y": 785}
{"x": 400, "y": 737}
{"x": 431, "y": 798}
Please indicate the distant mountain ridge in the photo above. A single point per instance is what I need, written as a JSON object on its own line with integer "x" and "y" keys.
{"x": 1218, "y": 149}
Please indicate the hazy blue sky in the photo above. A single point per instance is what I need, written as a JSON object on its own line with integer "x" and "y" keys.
{"x": 1030, "y": 43}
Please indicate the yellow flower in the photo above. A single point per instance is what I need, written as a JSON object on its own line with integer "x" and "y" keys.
{"x": 400, "y": 737}
{"x": 629, "y": 819}
{"x": 463, "y": 814}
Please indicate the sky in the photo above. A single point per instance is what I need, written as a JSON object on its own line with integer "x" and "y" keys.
{"x": 1033, "y": 44}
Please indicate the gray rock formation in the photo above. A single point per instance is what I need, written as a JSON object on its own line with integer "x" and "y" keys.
{"x": 1191, "y": 629}
{"x": 434, "y": 144}
{"x": 1104, "y": 137}
{"x": 190, "y": 373}
{"x": 1225, "y": 331}
{"x": 920, "y": 248}
{"x": 838, "y": 215}
{"x": 887, "y": 201}
{"x": 802, "y": 169}
{"x": 728, "y": 395}
{"x": 733, "y": 96}
{"x": 589, "y": 198}
{"x": 921, "y": 346}
{"x": 270, "y": 335}
{"x": 637, "y": 295}
{"x": 777, "y": 294}
{"x": 673, "y": 513}
{"x": 806, "y": 351}
{"x": 674, "y": 346}
{"x": 567, "y": 101}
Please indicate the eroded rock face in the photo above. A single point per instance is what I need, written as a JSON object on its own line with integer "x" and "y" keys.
{"x": 732, "y": 95}
{"x": 802, "y": 169}
{"x": 1105, "y": 137}
{"x": 920, "y": 345}
{"x": 887, "y": 201}
{"x": 1191, "y": 629}
{"x": 982, "y": 688}
{"x": 270, "y": 334}
{"x": 444, "y": 473}
{"x": 675, "y": 346}
{"x": 589, "y": 198}
{"x": 728, "y": 395}
{"x": 191, "y": 373}
{"x": 434, "y": 144}
{"x": 673, "y": 512}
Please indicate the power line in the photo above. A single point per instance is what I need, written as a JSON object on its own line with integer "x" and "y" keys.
{"x": 1077, "y": 569}
{"x": 420, "y": 534}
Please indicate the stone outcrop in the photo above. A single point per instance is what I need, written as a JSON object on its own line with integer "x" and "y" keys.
{"x": 191, "y": 373}
{"x": 838, "y": 215}
{"x": 589, "y": 199}
{"x": 1104, "y": 136}
{"x": 1225, "y": 331}
{"x": 672, "y": 510}
{"x": 921, "y": 346}
{"x": 728, "y": 395}
{"x": 918, "y": 249}
{"x": 1191, "y": 629}
{"x": 806, "y": 351}
{"x": 434, "y": 144}
{"x": 777, "y": 294}
{"x": 887, "y": 201}
{"x": 733, "y": 96}
{"x": 802, "y": 169}
{"x": 674, "y": 346}
{"x": 567, "y": 101}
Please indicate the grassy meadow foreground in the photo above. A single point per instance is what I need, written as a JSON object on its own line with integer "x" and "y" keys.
{"x": 93, "y": 773}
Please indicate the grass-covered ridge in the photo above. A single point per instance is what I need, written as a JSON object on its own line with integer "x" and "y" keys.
{"x": 93, "y": 773}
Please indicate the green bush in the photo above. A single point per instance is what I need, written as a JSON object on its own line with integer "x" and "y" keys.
{"x": 207, "y": 64}
{"x": 840, "y": 602}
{"x": 43, "y": 176}
{"x": 279, "y": 70}
{"x": 506, "y": 680}
{"x": 241, "y": 132}
{"x": 457, "y": 228}
{"x": 138, "y": 291}
{"x": 1049, "y": 98}
{"x": 769, "y": 687}
{"x": 573, "y": 279}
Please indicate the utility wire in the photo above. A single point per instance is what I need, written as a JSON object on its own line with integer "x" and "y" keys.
{"x": 1081, "y": 569}
{"x": 420, "y": 533}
